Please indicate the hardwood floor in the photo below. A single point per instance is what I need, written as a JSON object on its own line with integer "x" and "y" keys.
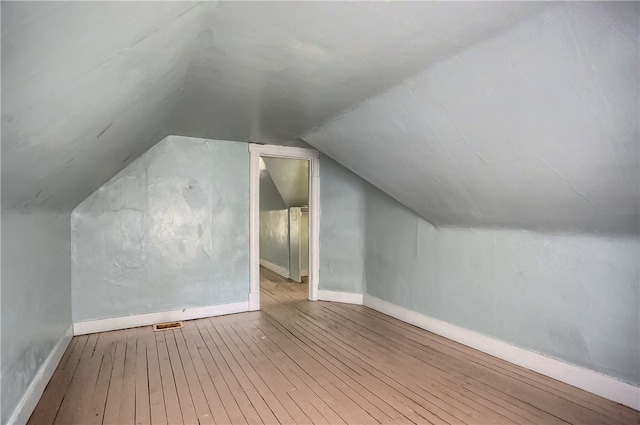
{"x": 302, "y": 362}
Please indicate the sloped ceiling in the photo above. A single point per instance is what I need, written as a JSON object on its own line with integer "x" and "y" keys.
{"x": 291, "y": 178}
{"x": 519, "y": 113}
{"x": 86, "y": 88}
{"x": 89, "y": 86}
{"x": 273, "y": 70}
{"x": 536, "y": 128}
{"x": 270, "y": 198}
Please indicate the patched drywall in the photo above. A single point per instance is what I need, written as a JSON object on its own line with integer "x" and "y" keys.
{"x": 342, "y": 227}
{"x": 36, "y": 296}
{"x": 170, "y": 231}
{"x": 572, "y": 297}
{"x": 536, "y": 128}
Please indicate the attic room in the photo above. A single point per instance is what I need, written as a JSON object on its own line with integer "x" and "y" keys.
{"x": 473, "y": 199}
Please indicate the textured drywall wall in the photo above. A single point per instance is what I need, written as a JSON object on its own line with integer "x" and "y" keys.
{"x": 170, "y": 231}
{"x": 291, "y": 178}
{"x": 36, "y": 296}
{"x": 274, "y": 237}
{"x": 572, "y": 297}
{"x": 536, "y": 128}
{"x": 342, "y": 226}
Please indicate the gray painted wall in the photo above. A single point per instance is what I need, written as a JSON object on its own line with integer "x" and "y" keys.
{"x": 291, "y": 178}
{"x": 270, "y": 198}
{"x": 274, "y": 223}
{"x": 170, "y": 231}
{"x": 284, "y": 183}
{"x": 36, "y": 295}
{"x": 274, "y": 237}
{"x": 342, "y": 227}
{"x": 572, "y": 297}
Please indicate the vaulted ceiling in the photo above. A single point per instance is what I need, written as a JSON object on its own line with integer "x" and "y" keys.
{"x": 537, "y": 128}
{"x": 471, "y": 113}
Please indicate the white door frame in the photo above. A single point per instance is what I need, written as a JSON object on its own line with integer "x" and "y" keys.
{"x": 313, "y": 157}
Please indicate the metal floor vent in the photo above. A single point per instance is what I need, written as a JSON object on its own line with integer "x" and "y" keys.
{"x": 166, "y": 326}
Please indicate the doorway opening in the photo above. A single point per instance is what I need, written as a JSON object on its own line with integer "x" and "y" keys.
{"x": 284, "y": 190}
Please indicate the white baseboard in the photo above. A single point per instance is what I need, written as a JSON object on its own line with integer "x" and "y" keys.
{"x": 282, "y": 271}
{"x": 340, "y": 297}
{"x": 31, "y": 396}
{"x": 126, "y": 322}
{"x": 588, "y": 380}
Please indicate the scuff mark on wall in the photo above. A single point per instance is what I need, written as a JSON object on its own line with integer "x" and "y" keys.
{"x": 568, "y": 182}
{"x": 104, "y": 130}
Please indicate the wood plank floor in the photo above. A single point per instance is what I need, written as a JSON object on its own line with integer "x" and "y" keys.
{"x": 306, "y": 363}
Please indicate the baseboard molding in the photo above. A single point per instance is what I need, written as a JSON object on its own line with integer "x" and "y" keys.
{"x": 282, "y": 271}
{"x": 126, "y": 322}
{"x": 588, "y": 380}
{"x": 340, "y": 297}
{"x": 31, "y": 396}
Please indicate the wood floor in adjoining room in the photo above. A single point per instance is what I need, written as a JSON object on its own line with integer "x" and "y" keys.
{"x": 302, "y": 362}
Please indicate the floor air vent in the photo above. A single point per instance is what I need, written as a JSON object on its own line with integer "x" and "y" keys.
{"x": 166, "y": 326}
